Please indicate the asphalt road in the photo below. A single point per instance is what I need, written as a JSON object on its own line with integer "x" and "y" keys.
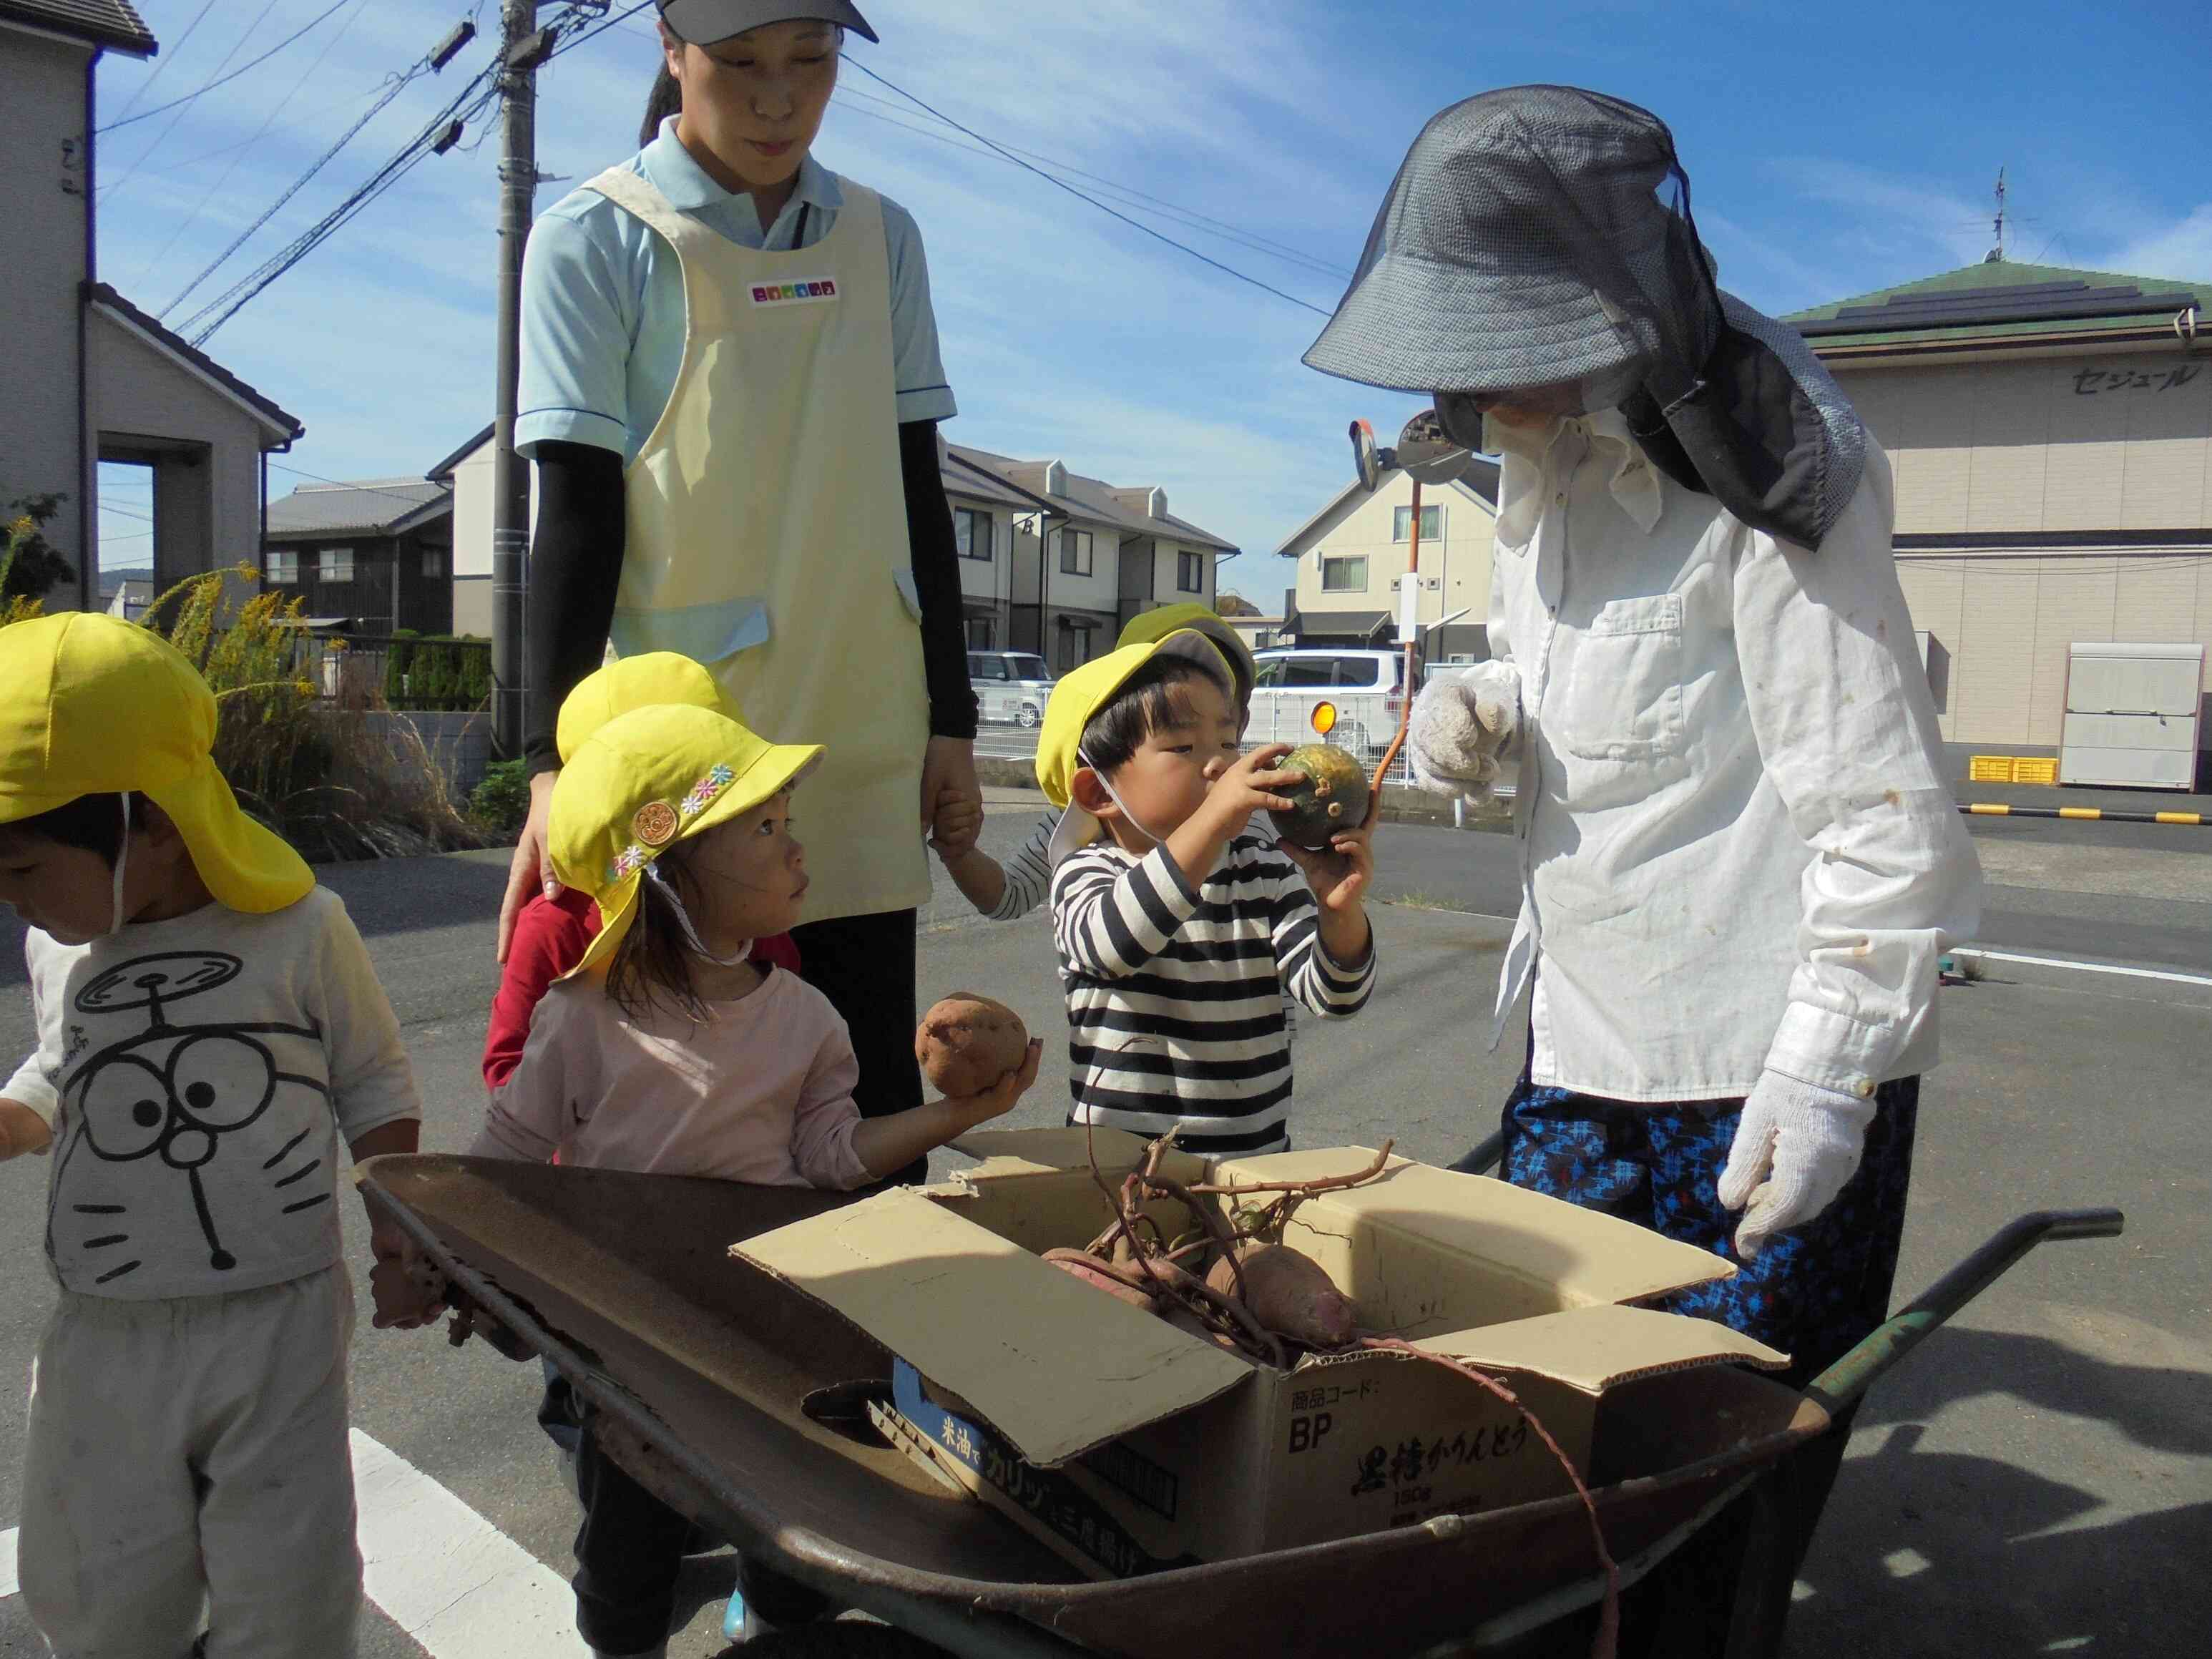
{"x": 2036, "y": 1479}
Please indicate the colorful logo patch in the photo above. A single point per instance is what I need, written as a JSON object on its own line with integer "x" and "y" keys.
{"x": 814, "y": 290}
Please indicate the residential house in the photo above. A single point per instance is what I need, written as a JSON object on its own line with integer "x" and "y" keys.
{"x": 371, "y": 557}
{"x": 986, "y": 512}
{"x": 1088, "y": 555}
{"x": 92, "y": 377}
{"x": 1252, "y": 625}
{"x": 2050, "y": 431}
{"x": 1351, "y": 562}
{"x": 467, "y": 474}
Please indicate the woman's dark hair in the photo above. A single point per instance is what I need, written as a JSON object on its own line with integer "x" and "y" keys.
{"x": 1149, "y": 701}
{"x": 666, "y": 99}
{"x": 92, "y": 822}
{"x": 653, "y": 966}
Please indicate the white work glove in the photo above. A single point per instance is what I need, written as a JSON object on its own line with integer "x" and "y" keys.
{"x": 1796, "y": 1147}
{"x": 1461, "y": 722}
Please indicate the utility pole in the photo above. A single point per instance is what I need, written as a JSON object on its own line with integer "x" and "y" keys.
{"x": 523, "y": 47}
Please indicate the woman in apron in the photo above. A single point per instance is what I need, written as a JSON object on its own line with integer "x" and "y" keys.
{"x": 731, "y": 386}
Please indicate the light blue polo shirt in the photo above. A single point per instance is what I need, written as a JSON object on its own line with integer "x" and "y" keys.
{"x": 603, "y": 301}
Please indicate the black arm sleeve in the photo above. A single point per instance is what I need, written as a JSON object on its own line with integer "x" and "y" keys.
{"x": 575, "y": 565}
{"x": 937, "y": 583}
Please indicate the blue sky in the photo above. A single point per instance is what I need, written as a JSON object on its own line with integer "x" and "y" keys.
{"x": 1831, "y": 151}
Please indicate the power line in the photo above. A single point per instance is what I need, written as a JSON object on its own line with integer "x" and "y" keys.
{"x": 260, "y": 133}
{"x": 1159, "y": 236}
{"x": 222, "y": 79}
{"x": 175, "y": 47}
{"x": 162, "y": 137}
{"x": 343, "y": 483}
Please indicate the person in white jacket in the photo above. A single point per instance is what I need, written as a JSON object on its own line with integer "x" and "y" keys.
{"x": 1741, "y": 860}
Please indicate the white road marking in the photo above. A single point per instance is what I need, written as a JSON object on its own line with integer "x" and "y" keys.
{"x": 447, "y": 1576}
{"x": 1975, "y": 953}
{"x": 437, "y": 1570}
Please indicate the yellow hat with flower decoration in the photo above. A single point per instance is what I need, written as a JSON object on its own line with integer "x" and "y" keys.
{"x": 645, "y": 781}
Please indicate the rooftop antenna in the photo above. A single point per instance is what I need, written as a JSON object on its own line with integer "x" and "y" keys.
{"x": 1996, "y": 254}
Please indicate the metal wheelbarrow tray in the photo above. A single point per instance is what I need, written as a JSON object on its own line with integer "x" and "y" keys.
{"x": 702, "y": 1366}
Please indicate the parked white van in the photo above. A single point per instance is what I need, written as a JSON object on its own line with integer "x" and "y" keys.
{"x": 1011, "y": 686}
{"x": 1366, "y": 688}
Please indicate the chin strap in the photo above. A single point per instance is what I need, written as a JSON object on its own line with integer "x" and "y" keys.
{"x": 122, "y": 864}
{"x": 1135, "y": 822}
{"x": 690, "y": 933}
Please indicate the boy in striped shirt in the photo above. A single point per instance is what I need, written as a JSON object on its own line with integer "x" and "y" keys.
{"x": 1181, "y": 931}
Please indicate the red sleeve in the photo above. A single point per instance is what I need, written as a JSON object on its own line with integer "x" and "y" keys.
{"x": 551, "y": 936}
{"x": 781, "y": 949}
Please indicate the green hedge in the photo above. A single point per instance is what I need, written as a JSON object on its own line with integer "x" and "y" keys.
{"x": 432, "y": 673}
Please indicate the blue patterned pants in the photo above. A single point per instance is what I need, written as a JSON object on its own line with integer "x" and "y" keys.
{"x": 1812, "y": 1292}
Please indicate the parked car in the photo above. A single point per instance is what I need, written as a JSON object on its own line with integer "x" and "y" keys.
{"x": 1011, "y": 685}
{"x": 1366, "y": 688}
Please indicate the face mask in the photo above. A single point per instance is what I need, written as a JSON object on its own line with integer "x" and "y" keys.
{"x": 697, "y": 946}
{"x": 1135, "y": 822}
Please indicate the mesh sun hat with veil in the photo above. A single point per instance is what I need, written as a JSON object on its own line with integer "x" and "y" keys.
{"x": 1541, "y": 237}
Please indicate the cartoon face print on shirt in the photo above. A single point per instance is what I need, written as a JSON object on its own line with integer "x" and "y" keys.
{"x": 169, "y": 1097}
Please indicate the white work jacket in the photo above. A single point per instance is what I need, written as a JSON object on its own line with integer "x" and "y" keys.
{"x": 1738, "y": 848}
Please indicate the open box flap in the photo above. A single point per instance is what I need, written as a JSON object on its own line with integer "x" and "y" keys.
{"x": 1593, "y": 1349}
{"x": 1591, "y": 1259}
{"x": 1052, "y": 1364}
{"x": 1008, "y": 1152}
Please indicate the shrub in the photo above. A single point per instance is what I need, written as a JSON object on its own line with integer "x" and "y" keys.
{"x": 31, "y": 566}
{"x": 502, "y": 801}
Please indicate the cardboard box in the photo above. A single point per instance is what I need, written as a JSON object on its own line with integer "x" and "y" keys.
{"x": 1129, "y": 1445}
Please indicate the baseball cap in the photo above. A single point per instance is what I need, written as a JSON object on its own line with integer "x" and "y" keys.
{"x": 703, "y": 22}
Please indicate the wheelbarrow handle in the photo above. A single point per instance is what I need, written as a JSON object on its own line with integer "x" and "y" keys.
{"x": 1843, "y": 1383}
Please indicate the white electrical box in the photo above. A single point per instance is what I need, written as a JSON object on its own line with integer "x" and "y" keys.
{"x": 2132, "y": 714}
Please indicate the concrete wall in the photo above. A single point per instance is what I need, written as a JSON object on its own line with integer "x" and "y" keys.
{"x": 2072, "y": 443}
{"x": 42, "y": 180}
{"x": 143, "y": 396}
{"x": 1365, "y": 526}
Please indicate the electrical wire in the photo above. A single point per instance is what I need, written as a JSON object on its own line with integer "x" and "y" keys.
{"x": 222, "y": 79}
{"x": 222, "y": 179}
{"x": 162, "y": 137}
{"x": 1111, "y": 212}
{"x": 408, "y": 496}
{"x": 175, "y": 47}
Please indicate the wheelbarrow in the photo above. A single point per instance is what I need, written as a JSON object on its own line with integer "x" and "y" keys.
{"x": 733, "y": 1397}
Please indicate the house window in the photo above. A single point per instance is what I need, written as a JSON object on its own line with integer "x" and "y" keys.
{"x": 434, "y": 564}
{"x": 979, "y": 634}
{"x": 281, "y": 567}
{"x": 1432, "y": 523}
{"x": 1190, "y": 573}
{"x": 1075, "y": 552}
{"x": 972, "y": 530}
{"x": 1075, "y": 641}
{"x": 1344, "y": 575}
{"x": 336, "y": 566}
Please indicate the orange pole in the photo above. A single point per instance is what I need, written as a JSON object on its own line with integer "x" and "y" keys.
{"x": 1412, "y": 644}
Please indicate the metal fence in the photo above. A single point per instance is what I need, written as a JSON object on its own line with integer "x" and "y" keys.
{"x": 453, "y": 675}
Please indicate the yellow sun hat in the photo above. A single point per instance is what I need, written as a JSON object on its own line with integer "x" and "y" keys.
{"x": 1149, "y": 627}
{"x": 641, "y": 682}
{"x": 1076, "y": 700}
{"x": 645, "y": 781}
{"x": 93, "y": 705}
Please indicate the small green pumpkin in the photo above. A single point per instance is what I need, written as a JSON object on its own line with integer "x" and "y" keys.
{"x": 1333, "y": 797}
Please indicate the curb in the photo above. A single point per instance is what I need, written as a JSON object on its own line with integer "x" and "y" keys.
{"x": 2130, "y": 979}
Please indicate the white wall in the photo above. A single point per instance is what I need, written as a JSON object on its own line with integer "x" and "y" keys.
{"x": 993, "y": 581}
{"x": 1364, "y": 527}
{"x": 1099, "y": 591}
{"x": 1165, "y": 562}
{"x": 41, "y": 444}
{"x": 472, "y": 525}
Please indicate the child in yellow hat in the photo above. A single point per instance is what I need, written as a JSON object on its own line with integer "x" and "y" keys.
{"x": 671, "y": 1050}
{"x": 1180, "y": 930}
{"x": 554, "y": 929}
{"x": 209, "y": 1026}
{"x": 1009, "y": 891}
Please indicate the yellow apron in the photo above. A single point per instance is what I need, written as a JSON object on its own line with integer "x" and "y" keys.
{"x": 768, "y": 531}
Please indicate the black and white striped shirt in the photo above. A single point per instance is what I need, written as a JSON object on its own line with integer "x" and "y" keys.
{"x": 1176, "y": 995}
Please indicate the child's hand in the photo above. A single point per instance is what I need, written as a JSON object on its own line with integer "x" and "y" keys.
{"x": 956, "y": 824}
{"x": 409, "y": 1292}
{"x": 998, "y": 1100}
{"x": 1248, "y": 786}
{"x": 1340, "y": 876}
{"x": 22, "y": 1131}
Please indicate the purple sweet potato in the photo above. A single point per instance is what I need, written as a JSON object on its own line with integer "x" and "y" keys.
{"x": 1290, "y": 1294}
{"x": 969, "y": 1043}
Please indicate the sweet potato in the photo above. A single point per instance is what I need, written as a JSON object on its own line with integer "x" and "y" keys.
{"x": 969, "y": 1043}
{"x": 1075, "y": 1265}
{"x": 1290, "y": 1294}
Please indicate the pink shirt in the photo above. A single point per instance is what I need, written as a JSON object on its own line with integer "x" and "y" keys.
{"x": 762, "y": 1092}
